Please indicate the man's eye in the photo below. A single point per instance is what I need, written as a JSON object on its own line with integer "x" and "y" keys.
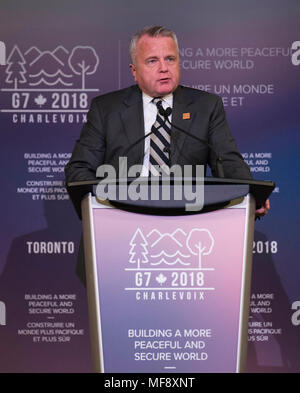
{"x": 151, "y": 61}
{"x": 170, "y": 59}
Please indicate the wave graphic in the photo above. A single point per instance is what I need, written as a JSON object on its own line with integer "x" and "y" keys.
{"x": 44, "y": 73}
{"x": 170, "y": 255}
{"x": 57, "y": 81}
{"x": 170, "y": 263}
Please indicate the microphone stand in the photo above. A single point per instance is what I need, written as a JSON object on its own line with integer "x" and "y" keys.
{"x": 166, "y": 113}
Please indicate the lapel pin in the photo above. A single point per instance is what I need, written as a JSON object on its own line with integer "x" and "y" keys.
{"x": 186, "y": 116}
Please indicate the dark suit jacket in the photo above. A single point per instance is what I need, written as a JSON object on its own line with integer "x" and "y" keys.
{"x": 115, "y": 121}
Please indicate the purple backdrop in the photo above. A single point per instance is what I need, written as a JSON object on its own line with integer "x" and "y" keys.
{"x": 52, "y": 62}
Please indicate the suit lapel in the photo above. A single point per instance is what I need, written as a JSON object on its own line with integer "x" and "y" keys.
{"x": 133, "y": 122}
{"x": 183, "y": 118}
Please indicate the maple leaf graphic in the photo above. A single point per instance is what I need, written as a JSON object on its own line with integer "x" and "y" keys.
{"x": 161, "y": 278}
{"x": 40, "y": 100}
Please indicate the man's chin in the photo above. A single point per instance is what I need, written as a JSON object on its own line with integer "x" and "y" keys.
{"x": 165, "y": 90}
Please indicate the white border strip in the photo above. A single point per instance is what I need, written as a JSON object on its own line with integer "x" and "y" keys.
{"x": 245, "y": 285}
{"x": 92, "y": 285}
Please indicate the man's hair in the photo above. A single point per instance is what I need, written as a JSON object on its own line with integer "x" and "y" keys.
{"x": 152, "y": 31}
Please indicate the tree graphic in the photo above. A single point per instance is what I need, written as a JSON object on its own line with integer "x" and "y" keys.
{"x": 83, "y": 61}
{"x": 138, "y": 249}
{"x": 15, "y": 70}
{"x": 200, "y": 242}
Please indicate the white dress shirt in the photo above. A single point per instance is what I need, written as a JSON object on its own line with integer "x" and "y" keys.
{"x": 150, "y": 113}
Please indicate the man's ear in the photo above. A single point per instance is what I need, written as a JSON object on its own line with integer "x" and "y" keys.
{"x": 133, "y": 71}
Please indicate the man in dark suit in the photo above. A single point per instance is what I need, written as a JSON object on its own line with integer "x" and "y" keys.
{"x": 116, "y": 120}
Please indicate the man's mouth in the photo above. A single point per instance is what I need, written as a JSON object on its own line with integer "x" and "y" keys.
{"x": 163, "y": 80}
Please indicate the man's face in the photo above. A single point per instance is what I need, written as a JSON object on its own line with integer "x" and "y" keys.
{"x": 156, "y": 69}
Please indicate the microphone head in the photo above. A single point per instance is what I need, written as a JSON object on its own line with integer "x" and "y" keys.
{"x": 168, "y": 111}
{"x": 160, "y": 108}
{"x": 164, "y": 112}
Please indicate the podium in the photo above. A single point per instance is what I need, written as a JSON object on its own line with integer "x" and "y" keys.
{"x": 169, "y": 289}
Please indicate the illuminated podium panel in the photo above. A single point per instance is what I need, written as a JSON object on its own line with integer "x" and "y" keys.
{"x": 168, "y": 293}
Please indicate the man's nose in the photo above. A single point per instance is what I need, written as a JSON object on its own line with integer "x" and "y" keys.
{"x": 163, "y": 66}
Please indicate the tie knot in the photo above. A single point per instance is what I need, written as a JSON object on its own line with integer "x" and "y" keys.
{"x": 157, "y": 101}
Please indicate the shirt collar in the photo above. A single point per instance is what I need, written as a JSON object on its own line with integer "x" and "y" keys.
{"x": 168, "y": 99}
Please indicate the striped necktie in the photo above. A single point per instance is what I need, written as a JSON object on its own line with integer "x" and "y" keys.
{"x": 159, "y": 144}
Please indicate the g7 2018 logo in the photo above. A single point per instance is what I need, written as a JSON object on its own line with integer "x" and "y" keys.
{"x": 169, "y": 266}
{"x": 48, "y": 85}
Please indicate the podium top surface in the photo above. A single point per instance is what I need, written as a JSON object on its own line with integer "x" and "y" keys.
{"x": 216, "y": 191}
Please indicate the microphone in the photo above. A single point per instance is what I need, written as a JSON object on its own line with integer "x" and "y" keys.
{"x": 153, "y": 130}
{"x": 138, "y": 141}
{"x": 166, "y": 113}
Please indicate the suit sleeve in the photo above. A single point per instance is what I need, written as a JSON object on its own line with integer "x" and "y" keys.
{"x": 223, "y": 142}
{"x": 87, "y": 155}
